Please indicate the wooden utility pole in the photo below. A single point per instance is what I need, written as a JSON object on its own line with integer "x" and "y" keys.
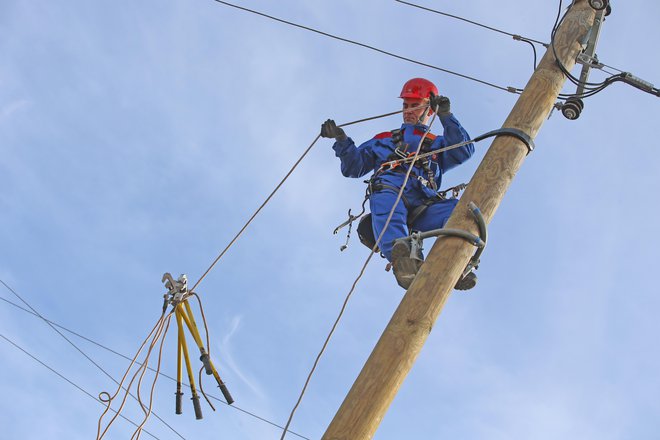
{"x": 394, "y": 355}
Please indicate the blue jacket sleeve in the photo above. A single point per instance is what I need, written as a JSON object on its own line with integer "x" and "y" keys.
{"x": 355, "y": 161}
{"x": 454, "y": 133}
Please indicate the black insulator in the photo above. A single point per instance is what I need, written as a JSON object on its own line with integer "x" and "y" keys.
{"x": 599, "y": 5}
{"x": 572, "y": 108}
{"x": 467, "y": 282}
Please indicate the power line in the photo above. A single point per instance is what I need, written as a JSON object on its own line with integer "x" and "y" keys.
{"x": 98, "y": 344}
{"x": 357, "y": 279}
{"x": 384, "y": 52}
{"x": 270, "y": 196}
{"x": 82, "y": 352}
{"x": 515, "y": 36}
{"x": 591, "y": 88}
{"x": 67, "y": 379}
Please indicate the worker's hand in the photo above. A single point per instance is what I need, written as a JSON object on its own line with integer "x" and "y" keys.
{"x": 440, "y": 104}
{"x": 330, "y": 130}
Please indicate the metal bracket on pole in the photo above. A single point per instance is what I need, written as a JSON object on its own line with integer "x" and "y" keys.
{"x": 572, "y": 108}
{"x": 479, "y": 242}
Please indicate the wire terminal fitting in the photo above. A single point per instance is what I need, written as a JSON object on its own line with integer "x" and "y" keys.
{"x": 177, "y": 290}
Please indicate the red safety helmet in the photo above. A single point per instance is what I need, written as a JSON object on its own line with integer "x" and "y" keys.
{"x": 418, "y": 88}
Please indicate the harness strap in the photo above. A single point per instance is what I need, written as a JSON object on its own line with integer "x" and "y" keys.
{"x": 401, "y": 152}
{"x": 376, "y": 187}
{"x": 414, "y": 215}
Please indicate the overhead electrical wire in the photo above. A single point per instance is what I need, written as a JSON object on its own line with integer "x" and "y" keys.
{"x": 568, "y": 74}
{"x": 158, "y": 332}
{"x": 270, "y": 196}
{"x": 592, "y": 88}
{"x": 360, "y": 274}
{"x": 517, "y": 37}
{"x": 384, "y": 52}
{"x": 36, "y": 359}
{"x": 81, "y": 351}
{"x": 116, "y": 353}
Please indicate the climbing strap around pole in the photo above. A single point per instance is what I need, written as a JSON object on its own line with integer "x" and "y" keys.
{"x": 507, "y": 131}
{"x": 479, "y": 242}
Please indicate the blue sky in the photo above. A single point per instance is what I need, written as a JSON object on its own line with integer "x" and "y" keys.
{"x": 138, "y": 137}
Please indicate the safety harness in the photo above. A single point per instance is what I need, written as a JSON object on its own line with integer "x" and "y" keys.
{"x": 365, "y": 228}
{"x": 400, "y": 151}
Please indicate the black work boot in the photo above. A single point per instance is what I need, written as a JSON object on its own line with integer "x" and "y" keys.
{"x": 404, "y": 266}
{"x": 467, "y": 282}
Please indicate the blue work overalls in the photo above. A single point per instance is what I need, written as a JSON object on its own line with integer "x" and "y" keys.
{"x": 358, "y": 161}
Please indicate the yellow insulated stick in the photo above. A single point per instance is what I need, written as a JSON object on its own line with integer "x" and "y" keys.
{"x": 205, "y": 358}
{"x": 183, "y": 347}
{"x": 179, "y": 372}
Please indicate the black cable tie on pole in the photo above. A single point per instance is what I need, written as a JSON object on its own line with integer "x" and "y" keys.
{"x": 506, "y": 131}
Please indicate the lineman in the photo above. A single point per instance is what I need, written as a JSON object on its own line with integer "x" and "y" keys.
{"x": 420, "y": 208}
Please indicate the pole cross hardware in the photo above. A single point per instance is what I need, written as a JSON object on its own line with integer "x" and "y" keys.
{"x": 479, "y": 242}
{"x": 177, "y": 296}
{"x": 572, "y": 108}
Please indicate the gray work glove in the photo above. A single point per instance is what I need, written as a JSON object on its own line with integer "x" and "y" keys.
{"x": 330, "y": 130}
{"x": 440, "y": 104}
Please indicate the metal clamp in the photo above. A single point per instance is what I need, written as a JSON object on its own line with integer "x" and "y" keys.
{"x": 177, "y": 290}
{"x": 479, "y": 242}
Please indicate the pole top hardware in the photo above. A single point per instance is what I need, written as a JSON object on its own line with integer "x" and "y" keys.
{"x": 177, "y": 290}
{"x": 590, "y": 61}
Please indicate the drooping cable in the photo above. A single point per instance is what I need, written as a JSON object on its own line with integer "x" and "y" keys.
{"x": 159, "y": 329}
{"x": 592, "y": 88}
{"x": 270, "y": 196}
{"x": 361, "y": 273}
{"x": 116, "y": 353}
{"x": 516, "y": 37}
{"x": 366, "y": 46}
{"x": 147, "y": 412}
{"x": 69, "y": 381}
{"x": 85, "y": 355}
